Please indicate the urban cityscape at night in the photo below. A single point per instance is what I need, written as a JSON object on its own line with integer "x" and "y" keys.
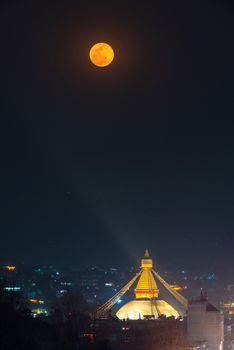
{"x": 49, "y": 294}
{"x": 117, "y": 175}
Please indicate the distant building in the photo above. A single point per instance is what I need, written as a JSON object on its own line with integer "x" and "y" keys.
{"x": 205, "y": 324}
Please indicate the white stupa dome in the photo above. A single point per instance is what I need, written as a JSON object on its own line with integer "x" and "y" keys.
{"x": 138, "y": 309}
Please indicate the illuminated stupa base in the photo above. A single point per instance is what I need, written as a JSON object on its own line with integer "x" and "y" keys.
{"x": 141, "y": 309}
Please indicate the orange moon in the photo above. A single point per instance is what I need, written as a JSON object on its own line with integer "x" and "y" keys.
{"x": 101, "y": 54}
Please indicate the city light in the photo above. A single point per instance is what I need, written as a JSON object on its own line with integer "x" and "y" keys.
{"x": 12, "y": 289}
{"x": 175, "y": 287}
{"x": 36, "y": 312}
{"x": 10, "y": 267}
{"x": 36, "y": 301}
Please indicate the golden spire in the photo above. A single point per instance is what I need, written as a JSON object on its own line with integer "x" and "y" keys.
{"x": 146, "y": 255}
{"x": 146, "y": 286}
{"x": 146, "y": 262}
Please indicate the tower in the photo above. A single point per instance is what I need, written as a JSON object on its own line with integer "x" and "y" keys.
{"x": 205, "y": 323}
{"x": 146, "y": 304}
{"x": 146, "y": 286}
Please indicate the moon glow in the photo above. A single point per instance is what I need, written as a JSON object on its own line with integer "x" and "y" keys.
{"x": 101, "y": 54}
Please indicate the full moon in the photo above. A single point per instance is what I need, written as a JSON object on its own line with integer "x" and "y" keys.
{"x": 101, "y": 54}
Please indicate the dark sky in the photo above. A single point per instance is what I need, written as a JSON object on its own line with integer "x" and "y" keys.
{"x": 98, "y": 164}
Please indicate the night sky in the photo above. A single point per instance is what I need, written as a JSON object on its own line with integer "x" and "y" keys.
{"x": 99, "y": 164}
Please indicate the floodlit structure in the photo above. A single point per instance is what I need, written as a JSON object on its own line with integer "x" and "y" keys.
{"x": 205, "y": 323}
{"x": 146, "y": 305}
